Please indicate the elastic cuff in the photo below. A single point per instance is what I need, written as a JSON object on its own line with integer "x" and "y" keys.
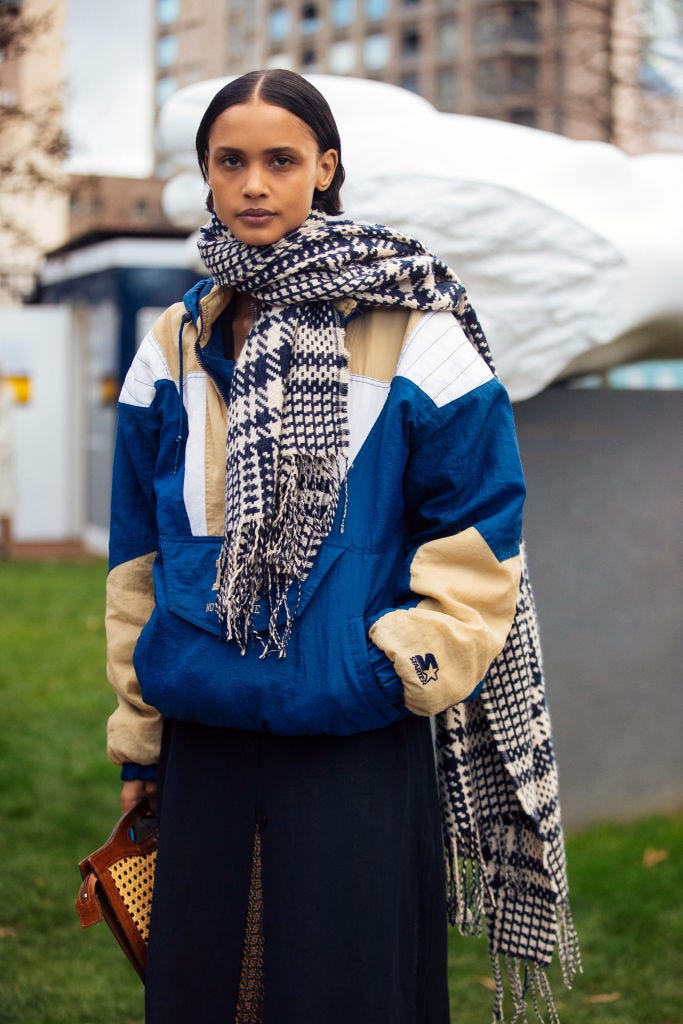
{"x": 144, "y": 772}
{"x": 476, "y": 691}
{"x": 385, "y": 674}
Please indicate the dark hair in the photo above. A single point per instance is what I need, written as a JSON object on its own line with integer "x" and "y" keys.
{"x": 290, "y": 91}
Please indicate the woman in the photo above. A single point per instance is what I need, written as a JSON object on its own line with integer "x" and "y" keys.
{"x": 295, "y": 603}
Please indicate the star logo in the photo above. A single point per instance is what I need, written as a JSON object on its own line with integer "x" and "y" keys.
{"x": 426, "y": 668}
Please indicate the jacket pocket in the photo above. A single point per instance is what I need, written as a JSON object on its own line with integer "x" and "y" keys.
{"x": 372, "y": 690}
{"x": 190, "y": 570}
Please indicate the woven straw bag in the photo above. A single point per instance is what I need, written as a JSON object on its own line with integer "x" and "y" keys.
{"x": 118, "y": 880}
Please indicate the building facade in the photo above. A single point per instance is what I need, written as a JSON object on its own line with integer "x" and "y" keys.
{"x": 569, "y": 66}
{"x": 107, "y": 206}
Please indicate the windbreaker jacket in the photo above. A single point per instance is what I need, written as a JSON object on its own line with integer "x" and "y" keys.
{"x": 412, "y": 593}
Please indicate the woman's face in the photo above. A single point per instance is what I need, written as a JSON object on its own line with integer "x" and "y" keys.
{"x": 263, "y": 167}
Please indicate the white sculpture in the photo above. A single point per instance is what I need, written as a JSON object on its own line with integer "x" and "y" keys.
{"x": 571, "y": 251}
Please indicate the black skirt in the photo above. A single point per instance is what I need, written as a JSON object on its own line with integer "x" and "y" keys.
{"x": 350, "y": 868}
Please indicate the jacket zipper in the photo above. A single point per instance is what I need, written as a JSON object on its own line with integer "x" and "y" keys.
{"x": 210, "y": 373}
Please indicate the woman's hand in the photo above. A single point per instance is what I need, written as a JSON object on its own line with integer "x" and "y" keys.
{"x": 134, "y": 791}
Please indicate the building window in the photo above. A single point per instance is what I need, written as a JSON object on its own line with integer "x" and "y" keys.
{"x": 342, "y": 57}
{"x": 343, "y": 12}
{"x": 410, "y": 44}
{"x": 522, "y": 74}
{"x": 410, "y": 82}
{"x": 310, "y": 22}
{"x": 489, "y": 31}
{"x": 447, "y": 38}
{"x": 376, "y": 51}
{"x": 166, "y": 86}
{"x": 446, "y": 90}
{"x": 523, "y": 115}
{"x": 375, "y": 9}
{"x": 308, "y": 59}
{"x": 278, "y": 24}
{"x": 524, "y": 22}
{"x": 496, "y": 78}
{"x": 167, "y": 51}
{"x": 167, "y": 11}
{"x": 489, "y": 82}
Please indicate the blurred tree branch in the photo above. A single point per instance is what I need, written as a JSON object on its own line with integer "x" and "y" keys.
{"x": 33, "y": 143}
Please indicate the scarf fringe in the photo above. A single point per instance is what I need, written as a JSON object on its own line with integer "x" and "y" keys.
{"x": 239, "y": 579}
{"x": 469, "y": 896}
{"x": 569, "y": 950}
{"x": 467, "y": 890}
{"x": 267, "y": 560}
{"x": 527, "y": 986}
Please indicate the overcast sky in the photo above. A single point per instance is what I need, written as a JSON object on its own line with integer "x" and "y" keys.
{"x": 109, "y": 73}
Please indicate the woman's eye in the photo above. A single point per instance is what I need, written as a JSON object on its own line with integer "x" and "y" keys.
{"x": 282, "y": 161}
{"x": 231, "y": 161}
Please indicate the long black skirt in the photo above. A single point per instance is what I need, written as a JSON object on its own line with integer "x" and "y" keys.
{"x": 344, "y": 888}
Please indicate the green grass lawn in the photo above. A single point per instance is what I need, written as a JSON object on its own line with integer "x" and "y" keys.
{"x": 59, "y": 799}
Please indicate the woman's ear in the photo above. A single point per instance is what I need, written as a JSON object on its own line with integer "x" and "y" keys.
{"x": 327, "y": 165}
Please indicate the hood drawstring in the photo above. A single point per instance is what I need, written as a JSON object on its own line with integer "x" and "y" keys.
{"x": 186, "y": 318}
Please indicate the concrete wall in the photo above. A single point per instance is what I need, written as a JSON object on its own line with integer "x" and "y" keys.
{"x": 42, "y": 345}
{"x": 603, "y": 525}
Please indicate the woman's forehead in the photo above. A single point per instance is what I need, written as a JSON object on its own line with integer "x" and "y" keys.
{"x": 259, "y": 125}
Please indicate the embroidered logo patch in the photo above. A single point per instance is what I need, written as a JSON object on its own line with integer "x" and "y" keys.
{"x": 426, "y": 667}
{"x": 218, "y": 575}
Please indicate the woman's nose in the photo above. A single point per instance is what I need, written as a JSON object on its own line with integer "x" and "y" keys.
{"x": 255, "y": 183}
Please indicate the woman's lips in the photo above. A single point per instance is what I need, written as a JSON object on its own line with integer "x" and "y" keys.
{"x": 256, "y": 218}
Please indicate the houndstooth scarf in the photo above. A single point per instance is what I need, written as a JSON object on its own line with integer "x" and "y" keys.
{"x": 500, "y": 810}
{"x": 496, "y": 768}
{"x": 287, "y": 441}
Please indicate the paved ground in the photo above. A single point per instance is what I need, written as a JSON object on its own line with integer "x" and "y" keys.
{"x": 59, "y": 551}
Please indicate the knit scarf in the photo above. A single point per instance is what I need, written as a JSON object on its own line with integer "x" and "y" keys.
{"x": 287, "y": 443}
{"x": 287, "y": 440}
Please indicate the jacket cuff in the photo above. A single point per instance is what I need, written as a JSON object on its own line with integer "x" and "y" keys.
{"x": 144, "y": 772}
{"x": 476, "y": 691}
{"x": 385, "y": 674}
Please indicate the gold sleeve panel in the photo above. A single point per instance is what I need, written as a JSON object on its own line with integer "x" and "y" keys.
{"x": 134, "y": 729}
{"x": 442, "y": 648}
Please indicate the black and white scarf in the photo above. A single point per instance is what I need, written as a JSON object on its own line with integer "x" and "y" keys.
{"x": 286, "y": 460}
{"x": 287, "y": 441}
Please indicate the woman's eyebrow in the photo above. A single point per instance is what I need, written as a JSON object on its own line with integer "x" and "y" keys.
{"x": 271, "y": 151}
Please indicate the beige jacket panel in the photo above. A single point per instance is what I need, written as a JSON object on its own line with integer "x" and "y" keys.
{"x": 442, "y": 648}
{"x": 134, "y": 729}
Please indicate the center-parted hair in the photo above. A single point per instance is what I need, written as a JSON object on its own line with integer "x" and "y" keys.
{"x": 293, "y": 93}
